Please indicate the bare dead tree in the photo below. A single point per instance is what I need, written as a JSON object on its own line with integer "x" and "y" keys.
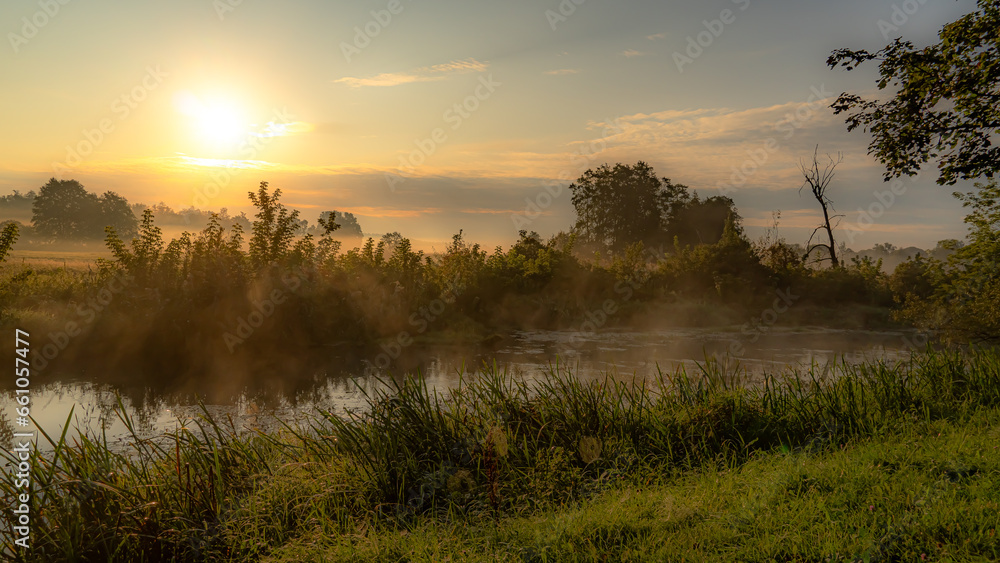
{"x": 818, "y": 182}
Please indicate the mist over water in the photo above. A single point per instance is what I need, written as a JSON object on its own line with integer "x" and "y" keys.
{"x": 331, "y": 379}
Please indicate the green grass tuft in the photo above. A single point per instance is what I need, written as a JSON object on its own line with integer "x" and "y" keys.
{"x": 882, "y": 462}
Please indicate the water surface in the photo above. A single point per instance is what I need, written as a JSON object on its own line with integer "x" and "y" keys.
{"x": 253, "y": 399}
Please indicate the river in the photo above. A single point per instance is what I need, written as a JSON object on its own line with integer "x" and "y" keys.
{"x": 252, "y": 399}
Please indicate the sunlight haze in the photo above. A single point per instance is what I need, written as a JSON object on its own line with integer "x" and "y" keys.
{"x": 469, "y": 107}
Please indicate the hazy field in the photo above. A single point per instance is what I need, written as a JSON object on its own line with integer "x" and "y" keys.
{"x": 74, "y": 259}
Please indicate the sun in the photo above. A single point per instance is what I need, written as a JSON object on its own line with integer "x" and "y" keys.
{"x": 217, "y": 123}
{"x": 220, "y": 125}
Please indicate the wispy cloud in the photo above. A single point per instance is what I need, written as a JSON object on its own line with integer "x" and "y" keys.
{"x": 274, "y": 129}
{"x": 699, "y": 147}
{"x": 386, "y": 79}
{"x": 562, "y": 71}
{"x": 423, "y": 74}
{"x": 656, "y": 36}
{"x": 225, "y": 163}
{"x": 704, "y": 145}
{"x": 468, "y": 65}
{"x": 489, "y": 211}
{"x": 632, "y": 53}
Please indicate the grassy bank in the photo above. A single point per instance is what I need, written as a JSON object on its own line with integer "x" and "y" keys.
{"x": 886, "y": 462}
{"x": 924, "y": 494}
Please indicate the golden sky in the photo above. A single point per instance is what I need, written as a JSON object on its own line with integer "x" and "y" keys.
{"x": 430, "y": 117}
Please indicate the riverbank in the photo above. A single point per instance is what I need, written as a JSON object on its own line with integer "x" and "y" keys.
{"x": 203, "y": 304}
{"x": 86, "y": 331}
{"x": 881, "y": 459}
{"x": 928, "y": 493}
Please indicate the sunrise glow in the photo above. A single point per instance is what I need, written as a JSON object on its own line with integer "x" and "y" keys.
{"x": 215, "y": 123}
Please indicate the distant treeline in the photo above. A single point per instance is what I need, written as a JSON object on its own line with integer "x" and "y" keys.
{"x": 64, "y": 211}
{"x": 269, "y": 290}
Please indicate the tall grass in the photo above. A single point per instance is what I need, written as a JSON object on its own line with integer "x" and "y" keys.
{"x": 494, "y": 446}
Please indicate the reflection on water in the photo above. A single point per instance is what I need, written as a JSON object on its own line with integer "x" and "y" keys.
{"x": 156, "y": 402}
{"x": 642, "y": 353}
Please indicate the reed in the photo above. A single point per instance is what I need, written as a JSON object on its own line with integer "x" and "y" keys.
{"x": 495, "y": 446}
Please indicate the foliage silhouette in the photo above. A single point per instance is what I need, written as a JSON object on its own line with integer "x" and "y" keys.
{"x": 947, "y": 103}
{"x": 64, "y": 209}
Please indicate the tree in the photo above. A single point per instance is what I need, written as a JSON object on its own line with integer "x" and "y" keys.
{"x": 8, "y": 236}
{"x": 693, "y": 221}
{"x": 404, "y": 265}
{"x": 64, "y": 209}
{"x": 348, "y": 224}
{"x": 273, "y": 229}
{"x": 142, "y": 258}
{"x": 116, "y": 212}
{"x": 947, "y": 104}
{"x": 965, "y": 303}
{"x": 818, "y": 182}
{"x": 390, "y": 241}
{"x": 620, "y": 206}
{"x": 885, "y": 248}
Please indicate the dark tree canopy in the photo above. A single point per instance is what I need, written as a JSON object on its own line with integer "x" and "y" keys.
{"x": 947, "y": 101}
{"x": 64, "y": 209}
{"x": 620, "y": 206}
{"x": 700, "y": 221}
{"x": 348, "y": 226}
{"x": 116, "y": 212}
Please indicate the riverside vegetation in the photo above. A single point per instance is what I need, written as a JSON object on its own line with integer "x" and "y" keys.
{"x": 876, "y": 462}
{"x": 872, "y": 462}
{"x": 196, "y": 292}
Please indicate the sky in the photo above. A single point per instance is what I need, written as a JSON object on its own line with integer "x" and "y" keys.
{"x": 426, "y": 117}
